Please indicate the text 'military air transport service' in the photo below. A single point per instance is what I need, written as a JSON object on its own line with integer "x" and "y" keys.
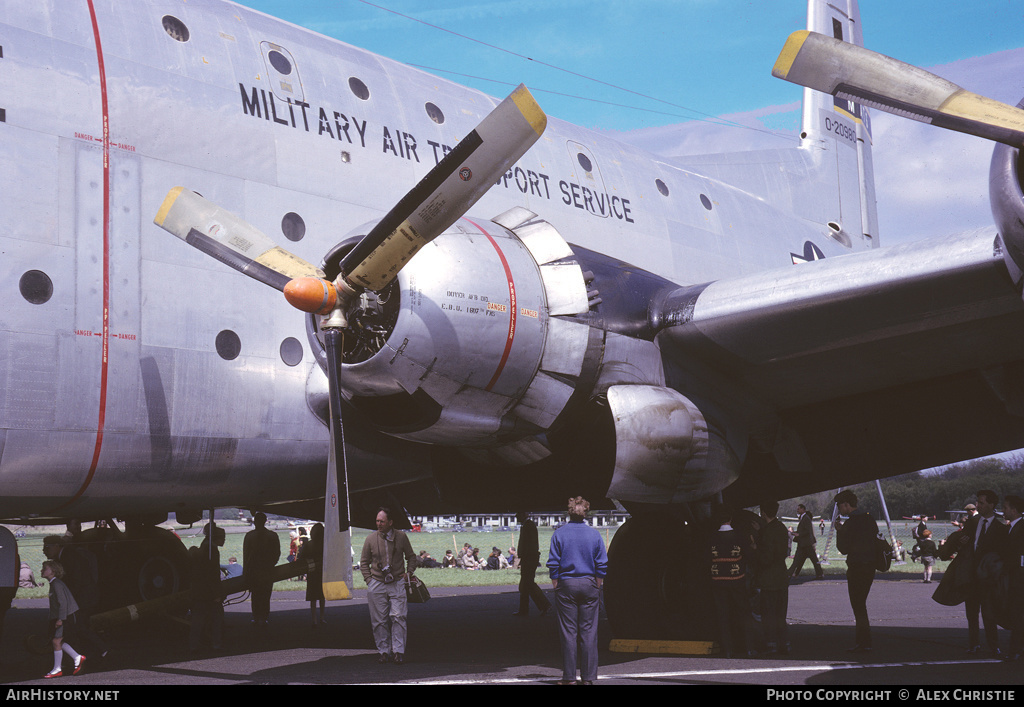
{"x": 470, "y": 304}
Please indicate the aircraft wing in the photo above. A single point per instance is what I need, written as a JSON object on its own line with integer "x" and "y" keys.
{"x": 878, "y": 361}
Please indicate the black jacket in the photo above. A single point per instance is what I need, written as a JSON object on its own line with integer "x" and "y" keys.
{"x": 856, "y": 538}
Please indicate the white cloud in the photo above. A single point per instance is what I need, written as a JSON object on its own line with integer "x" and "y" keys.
{"x": 932, "y": 181}
{"x": 929, "y": 181}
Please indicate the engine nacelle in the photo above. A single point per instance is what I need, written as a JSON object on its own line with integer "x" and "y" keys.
{"x": 471, "y": 345}
{"x": 664, "y": 451}
{"x": 1006, "y": 197}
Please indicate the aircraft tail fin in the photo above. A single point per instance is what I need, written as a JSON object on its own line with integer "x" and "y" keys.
{"x": 843, "y": 127}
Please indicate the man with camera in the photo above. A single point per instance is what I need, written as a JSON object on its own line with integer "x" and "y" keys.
{"x": 383, "y": 561}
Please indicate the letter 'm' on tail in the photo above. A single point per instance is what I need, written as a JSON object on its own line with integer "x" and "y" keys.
{"x": 841, "y": 128}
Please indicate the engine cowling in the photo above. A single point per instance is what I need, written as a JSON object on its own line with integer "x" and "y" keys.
{"x": 664, "y": 449}
{"x": 472, "y": 345}
{"x": 1006, "y": 197}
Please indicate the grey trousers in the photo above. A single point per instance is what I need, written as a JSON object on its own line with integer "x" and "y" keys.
{"x": 578, "y": 601}
{"x": 388, "y": 609}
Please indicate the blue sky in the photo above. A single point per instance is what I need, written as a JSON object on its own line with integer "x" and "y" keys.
{"x": 707, "y": 58}
{"x": 702, "y": 56}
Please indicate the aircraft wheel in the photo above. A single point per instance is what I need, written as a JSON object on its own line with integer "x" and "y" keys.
{"x": 146, "y": 563}
{"x": 159, "y": 576}
{"x": 161, "y": 565}
{"x": 658, "y": 583}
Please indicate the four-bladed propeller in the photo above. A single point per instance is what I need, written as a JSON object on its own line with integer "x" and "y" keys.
{"x": 435, "y": 203}
{"x": 875, "y": 80}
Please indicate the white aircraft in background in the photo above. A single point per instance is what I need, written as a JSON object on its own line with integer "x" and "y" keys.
{"x": 504, "y": 309}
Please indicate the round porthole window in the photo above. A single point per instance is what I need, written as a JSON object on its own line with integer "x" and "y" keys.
{"x": 435, "y": 113}
{"x": 705, "y": 201}
{"x": 228, "y": 345}
{"x": 585, "y": 162}
{"x": 36, "y": 287}
{"x": 359, "y": 89}
{"x": 293, "y": 227}
{"x": 662, "y": 187}
{"x": 175, "y": 28}
{"x": 280, "y": 62}
{"x": 291, "y": 351}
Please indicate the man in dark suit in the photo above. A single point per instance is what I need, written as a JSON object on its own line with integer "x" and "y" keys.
{"x": 772, "y": 578}
{"x": 528, "y": 555}
{"x": 261, "y": 549}
{"x": 1013, "y": 561}
{"x": 806, "y": 545}
{"x": 856, "y": 539}
{"x": 984, "y": 535}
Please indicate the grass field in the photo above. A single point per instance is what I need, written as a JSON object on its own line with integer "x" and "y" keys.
{"x": 31, "y": 550}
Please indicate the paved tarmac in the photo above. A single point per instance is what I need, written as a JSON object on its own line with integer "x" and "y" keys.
{"x": 469, "y": 636}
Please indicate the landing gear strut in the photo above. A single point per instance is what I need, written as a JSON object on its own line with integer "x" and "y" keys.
{"x": 659, "y": 583}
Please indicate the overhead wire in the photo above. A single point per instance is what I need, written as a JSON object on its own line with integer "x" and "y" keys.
{"x": 534, "y": 89}
{"x": 701, "y": 116}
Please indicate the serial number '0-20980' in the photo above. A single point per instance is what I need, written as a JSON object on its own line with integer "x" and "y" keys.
{"x": 841, "y": 129}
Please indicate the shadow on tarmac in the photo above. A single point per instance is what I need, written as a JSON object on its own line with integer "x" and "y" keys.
{"x": 468, "y": 635}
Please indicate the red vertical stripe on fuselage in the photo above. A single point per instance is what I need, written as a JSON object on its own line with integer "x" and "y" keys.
{"x": 101, "y": 420}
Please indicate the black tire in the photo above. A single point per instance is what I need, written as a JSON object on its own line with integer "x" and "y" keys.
{"x": 145, "y": 563}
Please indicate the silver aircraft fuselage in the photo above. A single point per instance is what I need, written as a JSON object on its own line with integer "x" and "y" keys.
{"x": 139, "y": 376}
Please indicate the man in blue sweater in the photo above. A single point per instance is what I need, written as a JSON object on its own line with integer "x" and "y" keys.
{"x": 577, "y": 562}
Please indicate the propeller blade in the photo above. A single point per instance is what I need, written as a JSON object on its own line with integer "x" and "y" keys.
{"x": 440, "y": 198}
{"x": 854, "y": 73}
{"x": 337, "y": 565}
{"x": 447, "y": 192}
{"x": 224, "y": 236}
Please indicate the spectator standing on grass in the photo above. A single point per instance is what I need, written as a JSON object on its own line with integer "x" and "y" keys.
{"x": 261, "y": 550}
{"x": 926, "y": 552}
{"x": 806, "y": 544}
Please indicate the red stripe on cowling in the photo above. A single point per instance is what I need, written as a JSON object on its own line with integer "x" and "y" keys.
{"x": 512, "y": 308}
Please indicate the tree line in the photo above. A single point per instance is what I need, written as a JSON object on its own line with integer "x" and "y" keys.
{"x": 930, "y": 493}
